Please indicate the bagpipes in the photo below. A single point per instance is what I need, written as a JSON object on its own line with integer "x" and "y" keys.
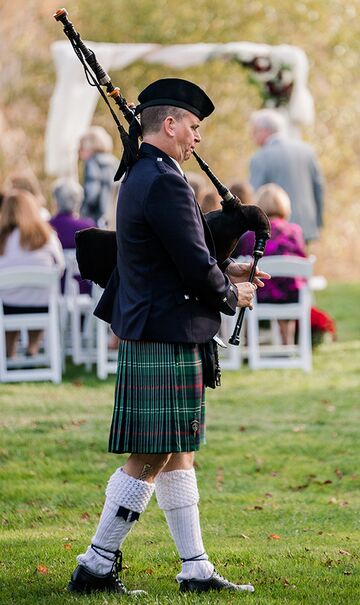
{"x": 96, "y": 249}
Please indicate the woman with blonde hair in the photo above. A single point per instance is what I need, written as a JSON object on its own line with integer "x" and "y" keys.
{"x": 25, "y": 180}
{"x": 25, "y": 241}
{"x": 286, "y": 238}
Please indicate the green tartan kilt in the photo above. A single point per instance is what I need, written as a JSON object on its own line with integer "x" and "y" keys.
{"x": 159, "y": 399}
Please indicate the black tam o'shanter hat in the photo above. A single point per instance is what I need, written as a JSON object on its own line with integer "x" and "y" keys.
{"x": 176, "y": 93}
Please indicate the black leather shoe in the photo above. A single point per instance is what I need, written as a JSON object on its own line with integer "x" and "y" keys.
{"x": 215, "y": 582}
{"x": 83, "y": 581}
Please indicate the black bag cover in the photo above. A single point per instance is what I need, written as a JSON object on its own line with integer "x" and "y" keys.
{"x": 96, "y": 252}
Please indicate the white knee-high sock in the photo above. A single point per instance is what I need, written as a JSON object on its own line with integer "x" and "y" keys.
{"x": 126, "y": 498}
{"x": 178, "y": 496}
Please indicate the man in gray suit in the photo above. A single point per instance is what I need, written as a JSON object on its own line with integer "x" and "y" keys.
{"x": 292, "y": 164}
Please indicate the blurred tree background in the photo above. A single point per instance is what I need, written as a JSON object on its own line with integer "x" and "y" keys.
{"x": 327, "y": 31}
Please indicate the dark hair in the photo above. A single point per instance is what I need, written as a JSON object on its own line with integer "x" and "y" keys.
{"x": 153, "y": 117}
{"x": 243, "y": 190}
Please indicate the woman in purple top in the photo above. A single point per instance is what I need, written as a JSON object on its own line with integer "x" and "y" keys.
{"x": 68, "y": 195}
{"x": 286, "y": 238}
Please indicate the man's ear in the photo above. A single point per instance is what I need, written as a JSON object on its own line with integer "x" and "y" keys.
{"x": 169, "y": 126}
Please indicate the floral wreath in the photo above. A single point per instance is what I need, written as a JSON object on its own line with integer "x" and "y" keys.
{"x": 275, "y": 83}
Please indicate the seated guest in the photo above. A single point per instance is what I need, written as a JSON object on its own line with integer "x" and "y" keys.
{"x": 286, "y": 238}
{"x": 26, "y": 180}
{"x": 68, "y": 195}
{"x": 243, "y": 190}
{"x": 26, "y": 241}
{"x": 198, "y": 184}
{"x": 211, "y": 201}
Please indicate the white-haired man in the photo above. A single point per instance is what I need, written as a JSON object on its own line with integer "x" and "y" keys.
{"x": 292, "y": 164}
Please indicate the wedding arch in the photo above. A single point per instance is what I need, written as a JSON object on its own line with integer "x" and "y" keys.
{"x": 281, "y": 71}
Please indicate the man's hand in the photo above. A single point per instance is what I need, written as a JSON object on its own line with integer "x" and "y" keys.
{"x": 239, "y": 272}
{"x": 246, "y": 293}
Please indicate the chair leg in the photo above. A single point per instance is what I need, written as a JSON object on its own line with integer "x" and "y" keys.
{"x": 253, "y": 341}
{"x": 101, "y": 350}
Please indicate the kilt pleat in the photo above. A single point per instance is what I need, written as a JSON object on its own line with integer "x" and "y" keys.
{"x": 159, "y": 399}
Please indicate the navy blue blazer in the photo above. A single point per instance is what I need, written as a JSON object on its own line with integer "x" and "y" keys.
{"x": 167, "y": 286}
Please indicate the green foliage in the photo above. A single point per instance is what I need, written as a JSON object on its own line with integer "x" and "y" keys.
{"x": 279, "y": 482}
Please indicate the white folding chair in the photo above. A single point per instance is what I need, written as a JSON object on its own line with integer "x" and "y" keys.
{"x": 276, "y": 354}
{"x": 231, "y": 357}
{"x": 47, "y": 365}
{"x": 77, "y": 312}
{"x": 105, "y": 358}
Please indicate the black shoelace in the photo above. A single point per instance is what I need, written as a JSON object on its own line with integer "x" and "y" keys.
{"x": 117, "y": 563}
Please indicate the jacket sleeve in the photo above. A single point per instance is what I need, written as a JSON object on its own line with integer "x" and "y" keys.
{"x": 170, "y": 210}
{"x": 318, "y": 188}
{"x": 257, "y": 170}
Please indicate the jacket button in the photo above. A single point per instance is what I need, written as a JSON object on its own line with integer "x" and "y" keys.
{"x": 224, "y": 299}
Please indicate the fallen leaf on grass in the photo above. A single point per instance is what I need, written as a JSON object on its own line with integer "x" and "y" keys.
{"x": 85, "y": 516}
{"x": 339, "y": 473}
{"x": 244, "y": 536}
{"x": 274, "y": 537}
{"x": 42, "y": 569}
{"x": 341, "y": 503}
{"x": 78, "y": 422}
{"x": 149, "y": 571}
{"x": 344, "y": 552}
{"x": 253, "y": 507}
{"x": 219, "y": 480}
{"x": 68, "y": 546}
{"x": 299, "y": 488}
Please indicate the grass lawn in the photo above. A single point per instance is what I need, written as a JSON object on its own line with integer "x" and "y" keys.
{"x": 279, "y": 482}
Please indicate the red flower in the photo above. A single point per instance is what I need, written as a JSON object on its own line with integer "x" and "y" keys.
{"x": 321, "y": 321}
